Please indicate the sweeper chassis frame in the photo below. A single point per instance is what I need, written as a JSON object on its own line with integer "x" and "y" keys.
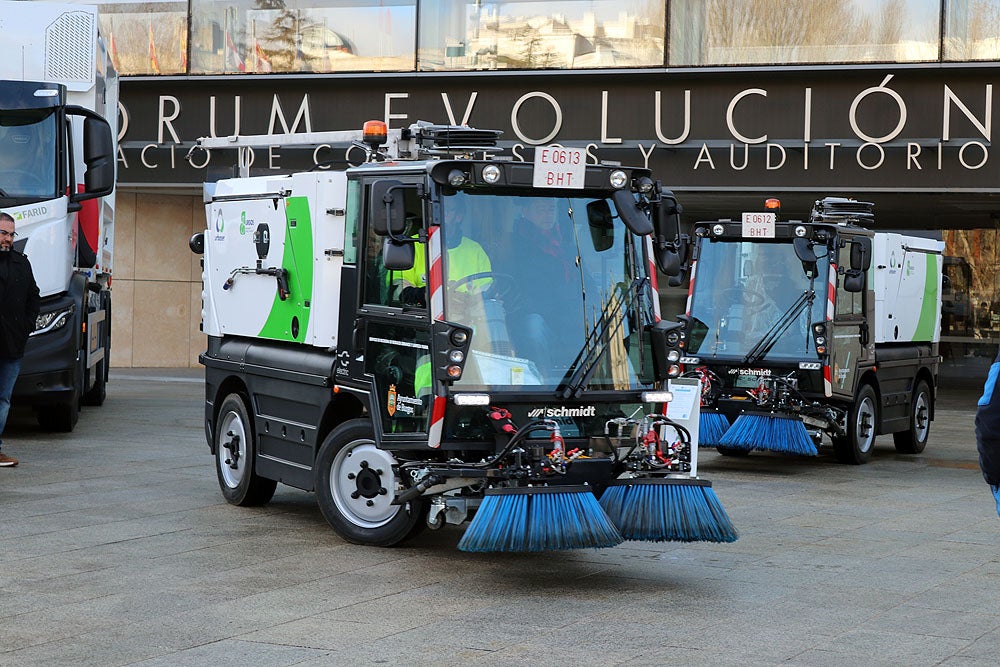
{"x": 455, "y": 488}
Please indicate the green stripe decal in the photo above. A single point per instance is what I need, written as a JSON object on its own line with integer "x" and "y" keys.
{"x": 297, "y": 259}
{"x": 929, "y": 304}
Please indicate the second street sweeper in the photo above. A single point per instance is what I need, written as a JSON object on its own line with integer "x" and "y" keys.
{"x": 801, "y": 328}
{"x": 433, "y": 336}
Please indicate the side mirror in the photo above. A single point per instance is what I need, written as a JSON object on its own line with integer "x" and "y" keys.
{"x": 854, "y": 280}
{"x": 636, "y": 221}
{"x": 388, "y": 214}
{"x": 669, "y": 261}
{"x": 99, "y": 158}
{"x": 804, "y": 251}
{"x": 197, "y": 243}
{"x": 398, "y": 256}
{"x": 670, "y": 247}
{"x": 861, "y": 253}
{"x": 602, "y": 226}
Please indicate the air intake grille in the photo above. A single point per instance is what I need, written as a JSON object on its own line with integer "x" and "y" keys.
{"x": 70, "y": 45}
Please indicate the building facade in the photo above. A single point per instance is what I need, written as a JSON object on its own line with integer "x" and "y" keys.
{"x": 728, "y": 101}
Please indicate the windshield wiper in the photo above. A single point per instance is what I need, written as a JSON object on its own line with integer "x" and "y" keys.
{"x": 597, "y": 342}
{"x": 771, "y": 336}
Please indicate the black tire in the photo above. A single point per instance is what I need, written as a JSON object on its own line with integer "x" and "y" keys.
{"x": 733, "y": 451}
{"x": 63, "y": 417}
{"x": 99, "y": 390}
{"x": 235, "y": 456}
{"x": 914, "y": 438}
{"x": 862, "y": 428}
{"x": 355, "y": 485}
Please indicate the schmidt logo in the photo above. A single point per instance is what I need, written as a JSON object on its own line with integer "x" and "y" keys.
{"x": 586, "y": 411}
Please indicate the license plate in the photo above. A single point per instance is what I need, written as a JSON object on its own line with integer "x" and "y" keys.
{"x": 759, "y": 225}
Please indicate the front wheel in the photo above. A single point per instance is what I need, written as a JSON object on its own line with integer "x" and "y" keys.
{"x": 914, "y": 438}
{"x": 356, "y": 483}
{"x": 862, "y": 426}
{"x": 235, "y": 462}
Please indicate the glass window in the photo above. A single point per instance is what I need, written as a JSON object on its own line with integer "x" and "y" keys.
{"x": 459, "y": 34}
{"x": 971, "y": 30}
{"x": 302, "y": 36}
{"x": 849, "y": 304}
{"x": 725, "y": 32}
{"x": 144, "y": 38}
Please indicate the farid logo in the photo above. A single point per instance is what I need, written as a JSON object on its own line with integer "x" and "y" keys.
{"x": 35, "y": 212}
{"x": 220, "y": 224}
{"x": 562, "y": 411}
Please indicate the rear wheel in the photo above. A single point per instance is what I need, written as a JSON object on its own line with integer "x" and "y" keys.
{"x": 914, "y": 438}
{"x": 99, "y": 390}
{"x": 235, "y": 463}
{"x": 862, "y": 426}
{"x": 732, "y": 451}
{"x": 356, "y": 483}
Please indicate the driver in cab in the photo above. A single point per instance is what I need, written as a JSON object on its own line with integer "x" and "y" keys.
{"x": 465, "y": 258}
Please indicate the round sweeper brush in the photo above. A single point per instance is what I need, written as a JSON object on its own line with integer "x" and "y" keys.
{"x": 667, "y": 509}
{"x": 539, "y": 518}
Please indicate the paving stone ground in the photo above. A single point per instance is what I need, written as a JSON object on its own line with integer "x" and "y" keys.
{"x": 116, "y": 548}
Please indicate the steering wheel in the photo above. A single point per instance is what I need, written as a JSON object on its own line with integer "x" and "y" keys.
{"x": 749, "y": 296}
{"x": 503, "y": 283}
{"x": 27, "y": 180}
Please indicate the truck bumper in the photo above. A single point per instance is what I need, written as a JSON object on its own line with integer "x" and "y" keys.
{"x": 50, "y": 360}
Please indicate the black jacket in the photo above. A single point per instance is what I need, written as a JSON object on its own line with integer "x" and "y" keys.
{"x": 988, "y": 426}
{"x": 18, "y": 303}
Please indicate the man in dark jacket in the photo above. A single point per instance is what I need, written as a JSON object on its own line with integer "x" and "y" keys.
{"x": 988, "y": 431}
{"x": 18, "y": 312}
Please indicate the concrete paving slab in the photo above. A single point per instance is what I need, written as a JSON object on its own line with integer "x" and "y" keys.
{"x": 116, "y": 548}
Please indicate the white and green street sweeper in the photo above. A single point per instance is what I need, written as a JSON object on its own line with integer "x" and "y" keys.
{"x": 437, "y": 335}
{"x": 800, "y": 328}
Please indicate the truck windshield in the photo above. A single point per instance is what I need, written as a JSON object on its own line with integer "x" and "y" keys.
{"x": 27, "y": 155}
{"x": 744, "y": 290}
{"x": 549, "y": 284}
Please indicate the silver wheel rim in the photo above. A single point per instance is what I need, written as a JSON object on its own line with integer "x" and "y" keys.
{"x": 363, "y": 484}
{"x": 231, "y": 432}
{"x": 864, "y": 427}
{"x": 921, "y": 416}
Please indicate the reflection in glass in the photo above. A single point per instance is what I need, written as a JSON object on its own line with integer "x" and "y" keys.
{"x": 549, "y": 285}
{"x": 457, "y": 34}
{"x": 27, "y": 156}
{"x": 144, "y": 38}
{"x": 308, "y": 36}
{"x": 972, "y": 30}
{"x": 723, "y": 32}
{"x": 745, "y": 290}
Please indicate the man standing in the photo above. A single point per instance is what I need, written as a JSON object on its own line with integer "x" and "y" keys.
{"x": 18, "y": 312}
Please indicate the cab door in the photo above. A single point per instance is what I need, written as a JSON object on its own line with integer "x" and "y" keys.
{"x": 392, "y": 327}
{"x": 850, "y": 332}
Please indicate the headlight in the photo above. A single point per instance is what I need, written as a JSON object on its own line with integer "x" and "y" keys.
{"x": 491, "y": 173}
{"x": 800, "y": 231}
{"x": 471, "y": 399}
{"x": 673, "y": 356}
{"x": 718, "y": 230}
{"x": 456, "y": 178}
{"x": 618, "y": 179}
{"x": 456, "y": 356}
{"x": 51, "y": 321}
{"x": 657, "y": 396}
{"x": 673, "y": 338}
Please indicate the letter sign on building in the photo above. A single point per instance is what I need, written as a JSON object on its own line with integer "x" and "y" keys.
{"x": 557, "y": 167}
